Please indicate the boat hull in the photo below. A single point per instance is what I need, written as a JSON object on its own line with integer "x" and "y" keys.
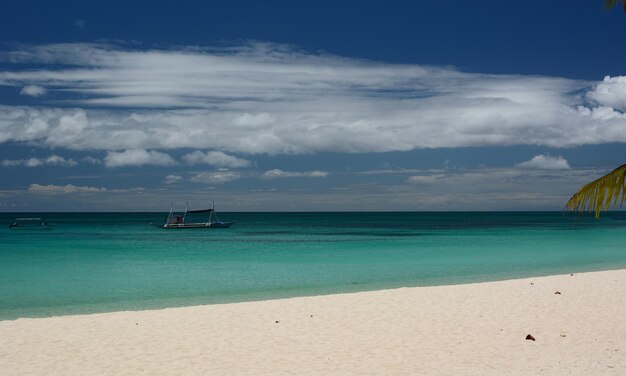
{"x": 198, "y": 225}
{"x": 22, "y": 227}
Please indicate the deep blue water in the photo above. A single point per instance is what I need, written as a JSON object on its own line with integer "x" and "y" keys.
{"x": 99, "y": 262}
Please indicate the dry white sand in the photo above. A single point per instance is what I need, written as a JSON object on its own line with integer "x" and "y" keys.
{"x": 447, "y": 330}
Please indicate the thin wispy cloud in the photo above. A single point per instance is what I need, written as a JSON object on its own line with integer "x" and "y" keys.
{"x": 79, "y": 24}
{"x": 272, "y": 99}
{"x": 492, "y": 188}
{"x": 215, "y": 158}
{"x": 63, "y": 189}
{"x": 52, "y": 189}
{"x": 216, "y": 177}
{"x": 52, "y": 160}
{"x": 91, "y": 160}
{"x": 173, "y": 179}
{"x": 276, "y": 174}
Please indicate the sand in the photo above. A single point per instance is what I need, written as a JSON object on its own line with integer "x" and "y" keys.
{"x": 473, "y": 329}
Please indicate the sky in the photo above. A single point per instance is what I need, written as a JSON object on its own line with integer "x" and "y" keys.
{"x": 307, "y": 106}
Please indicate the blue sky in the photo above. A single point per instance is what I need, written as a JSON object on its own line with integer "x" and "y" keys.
{"x": 308, "y": 106}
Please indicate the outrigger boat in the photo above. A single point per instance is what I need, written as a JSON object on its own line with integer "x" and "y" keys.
{"x": 179, "y": 219}
{"x": 29, "y": 223}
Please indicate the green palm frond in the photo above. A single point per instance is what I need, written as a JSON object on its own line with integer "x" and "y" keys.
{"x": 608, "y": 4}
{"x": 600, "y": 194}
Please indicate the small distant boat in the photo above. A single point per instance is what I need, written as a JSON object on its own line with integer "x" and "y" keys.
{"x": 29, "y": 223}
{"x": 180, "y": 220}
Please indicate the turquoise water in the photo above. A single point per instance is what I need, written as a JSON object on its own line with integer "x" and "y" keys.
{"x": 99, "y": 262}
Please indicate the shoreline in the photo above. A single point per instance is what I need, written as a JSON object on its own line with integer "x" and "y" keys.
{"x": 375, "y": 288}
{"x": 476, "y": 328}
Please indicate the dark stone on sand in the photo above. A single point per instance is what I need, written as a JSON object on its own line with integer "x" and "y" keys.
{"x": 530, "y": 337}
{"x": 277, "y": 321}
{"x": 557, "y": 293}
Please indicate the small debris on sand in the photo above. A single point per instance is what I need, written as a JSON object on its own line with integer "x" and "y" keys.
{"x": 277, "y": 321}
{"x": 557, "y": 293}
{"x": 530, "y": 337}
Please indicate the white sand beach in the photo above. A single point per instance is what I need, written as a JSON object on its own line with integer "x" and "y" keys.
{"x": 473, "y": 329}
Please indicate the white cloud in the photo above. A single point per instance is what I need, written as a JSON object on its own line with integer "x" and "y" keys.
{"x": 276, "y": 173}
{"x": 52, "y": 160}
{"x": 138, "y": 157}
{"x": 269, "y": 99}
{"x": 545, "y": 162}
{"x": 217, "y": 177}
{"x": 69, "y": 188}
{"x": 426, "y": 179}
{"x": 33, "y": 90}
{"x": 172, "y": 179}
{"x": 611, "y": 92}
{"x": 215, "y": 158}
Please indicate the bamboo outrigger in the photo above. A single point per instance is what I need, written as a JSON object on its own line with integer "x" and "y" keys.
{"x": 179, "y": 219}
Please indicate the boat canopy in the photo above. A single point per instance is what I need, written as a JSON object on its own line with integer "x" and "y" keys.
{"x": 199, "y": 211}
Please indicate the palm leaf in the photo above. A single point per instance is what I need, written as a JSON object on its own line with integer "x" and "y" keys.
{"x": 608, "y": 4}
{"x": 601, "y": 193}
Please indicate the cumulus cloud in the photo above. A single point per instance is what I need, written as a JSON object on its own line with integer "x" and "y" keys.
{"x": 545, "y": 162}
{"x": 69, "y": 188}
{"x": 52, "y": 160}
{"x": 215, "y": 158}
{"x": 611, "y": 92}
{"x": 33, "y": 91}
{"x": 276, "y": 173}
{"x": 138, "y": 157}
{"x": 217, "y": 177}
{"x": 271, "y": 99}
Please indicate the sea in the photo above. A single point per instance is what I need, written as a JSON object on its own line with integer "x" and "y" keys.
{"x": 101, "y": 262}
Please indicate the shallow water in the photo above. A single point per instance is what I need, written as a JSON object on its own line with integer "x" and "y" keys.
{"x": 100, "y": 262}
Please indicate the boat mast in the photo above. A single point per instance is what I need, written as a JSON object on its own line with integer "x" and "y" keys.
{"x": 211, "y": 212}
{"x": 186, "y": 208}
{"x": 169, "y": 217}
